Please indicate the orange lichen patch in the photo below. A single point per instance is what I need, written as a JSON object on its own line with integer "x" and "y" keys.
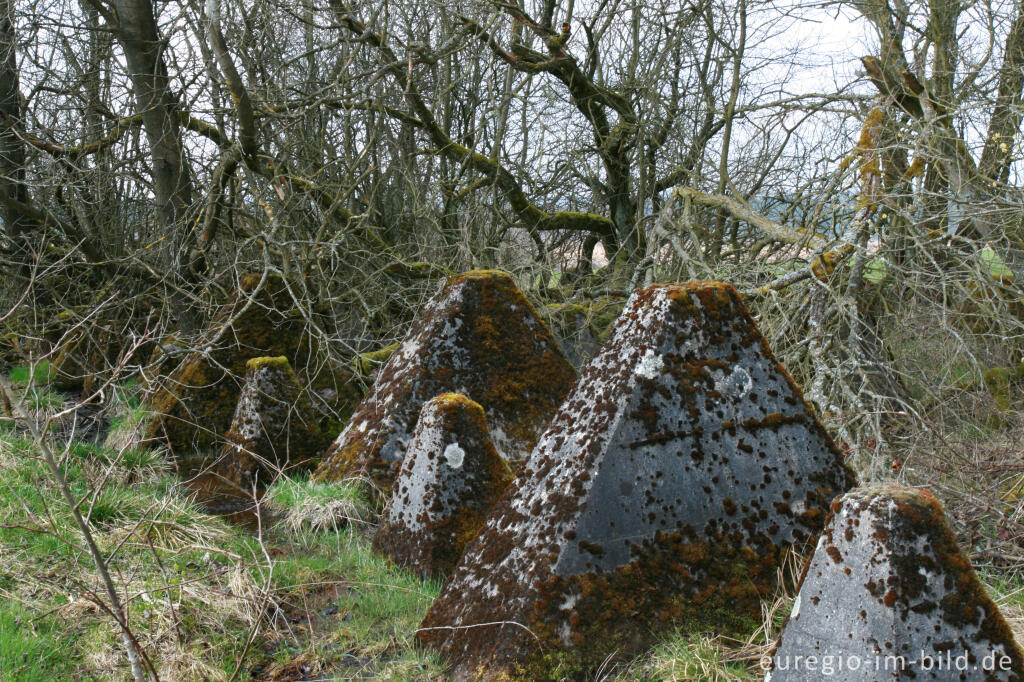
{"x": 663, "y": 494}
{"x": 867, "y": 150}
{"x": 479, "y": 336}
{"x": 450, "y": 479}
{"x": 273, "y": 428}
{"x": 195, "y": 403}
{"x": 867, "y": 144}
{"x": 889, "y": 577}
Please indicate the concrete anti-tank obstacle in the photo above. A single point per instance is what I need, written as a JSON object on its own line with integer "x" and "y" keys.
{"x": 195, "y": 403}
{"x": 664, "y": 493}
{"x": 478, "y": 336}
{"x": 273, "y": 427}
{"x": 448, "y": 482}
{"x": 888, "y": 595}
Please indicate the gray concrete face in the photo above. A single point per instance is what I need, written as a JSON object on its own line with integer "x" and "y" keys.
{"x": 273, "y": 427}
{"x": 670, "y": 482}
{"x": 889, "y": 596}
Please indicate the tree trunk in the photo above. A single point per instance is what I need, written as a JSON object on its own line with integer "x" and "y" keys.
{"x": 1005, "y": 123}
{"x": 172, "y": 181}
{"x": 158, "y": 104}
{"x": 12, "y": 150}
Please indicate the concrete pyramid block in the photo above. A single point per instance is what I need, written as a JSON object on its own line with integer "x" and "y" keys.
{"x": 273, "y": 427}
{"x": 477, "y": 336}
{"x": 194, "y": 404}
{"x": 888, "y": 595}
{"x": 449, "y": 480}
{"x": 664, "y": 493}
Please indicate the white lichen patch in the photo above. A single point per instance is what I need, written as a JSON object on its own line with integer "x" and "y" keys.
{"x": 454, "y": 455}
{"x": 736, "y": 384}
{"x": 650, "y": 365}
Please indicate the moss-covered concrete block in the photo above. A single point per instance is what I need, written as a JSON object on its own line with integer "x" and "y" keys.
{"x": 448, "y": 482}
{"x": 273, "y": 428}
{"x": 478, "y": 336}
{"x": 664, "y": 493}
{"x": 889, "y": 595}
{"x": 194, "y": 404}
{"x": 84, "y": 357}
{"x": 334, "y": 393}
{"x": 162, "y": 360}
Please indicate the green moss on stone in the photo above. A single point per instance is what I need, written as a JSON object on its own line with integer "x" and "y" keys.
{"x": 279, "y": 362}
{"x": 366, "y": 363}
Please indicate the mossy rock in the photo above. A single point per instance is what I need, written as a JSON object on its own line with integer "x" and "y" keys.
{"x": 84, "y": 359}
{"x": 68, "y": 365}
{"x": 888, "y": 581}
{"x": 666, "y": 492}
{"x": 163, "y": 360}
{"x": 450, "y": 479}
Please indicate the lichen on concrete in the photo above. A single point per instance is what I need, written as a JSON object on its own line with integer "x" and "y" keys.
{"x": 664, "y": 493}
{"x": 479, "y": 336}
{"x": 450, "y": 478}
{"x": 889, "y": 590}
{"x": 273, "y": 428}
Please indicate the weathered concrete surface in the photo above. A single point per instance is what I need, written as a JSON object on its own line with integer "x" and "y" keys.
{"x": 477, "y": 336}
{"x": 193, "y": 406}
{"x": 449, "y": 480}
{"x": 888, "y": 595}
{"x": 664, "y": 493}
{"x": 273, "y": 428}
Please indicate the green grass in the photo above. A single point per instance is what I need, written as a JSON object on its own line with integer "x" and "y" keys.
{"x": 32, "y": 650}
{"x": 40, "y": 373}
{"x": 214, "y": 574}
{"x": 37, "y": 397}
{"x": 685, "y": 656}
{"x": 379, "y": 605}
{"x": 318, "y": 506}
{"x": 128, "y": 423}
{"x": 29, "y": 383}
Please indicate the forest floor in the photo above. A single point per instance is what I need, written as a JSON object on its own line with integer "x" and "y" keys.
{"x": 287, "y": 591}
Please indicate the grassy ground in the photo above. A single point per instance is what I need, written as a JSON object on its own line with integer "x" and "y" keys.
{"x": 198, "y": 587}
{"x": 297, "y": 595}
{"x": 304, "y": 590}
